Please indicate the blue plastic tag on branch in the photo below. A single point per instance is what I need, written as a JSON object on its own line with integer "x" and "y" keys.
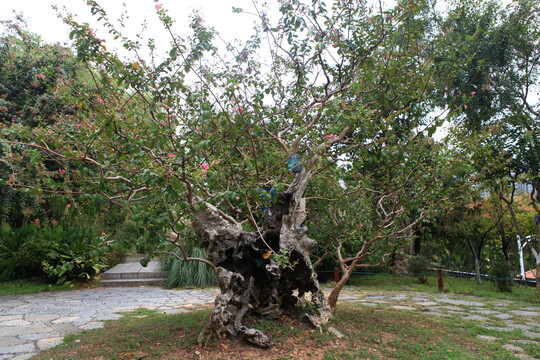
{"x": 267, "y": 194}
{"x": 294, "y": 164}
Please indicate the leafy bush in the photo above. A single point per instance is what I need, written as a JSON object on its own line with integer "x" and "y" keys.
{"x": 21, "y": 252}
{"x": 419, "y": 267}
{"x": 76, "y": 254}
{"x": 500, "y": 272}
{"x": 31, "y": 71}
{"x": 63, "y": 253}
{"x": 191, "y": 273}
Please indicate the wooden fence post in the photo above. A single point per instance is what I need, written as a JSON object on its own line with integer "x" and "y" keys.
{"x": 439, "y": 276}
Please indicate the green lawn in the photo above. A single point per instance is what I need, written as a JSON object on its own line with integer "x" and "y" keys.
{"x": 370, "y": 333}
{"x": 30, "y": 286}
{"x": 456, "y": 285}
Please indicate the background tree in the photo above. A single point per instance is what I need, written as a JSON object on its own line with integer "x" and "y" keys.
{"x": 41, "y": 217}
{"x": 492, "y": 92}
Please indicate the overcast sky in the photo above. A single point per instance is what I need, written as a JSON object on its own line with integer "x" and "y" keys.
{"x": 42, "y": 19}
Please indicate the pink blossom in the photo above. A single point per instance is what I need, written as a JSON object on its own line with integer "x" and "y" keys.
{"x": 68, "y": 206}
{"x": 158, "y": 6}
{"x": 205, "y": 167}
{"x": 41, "y": 76}
{"x": 238, "y": 109}
{"x": 61, "y": 171}
{"x": 171, "y": 155}
{"x": 474, "y": 92}
{"x": 330, "y": 137}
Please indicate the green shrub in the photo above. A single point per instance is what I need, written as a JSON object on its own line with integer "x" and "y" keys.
{"x": 63, "y": 253}
{"x": 500, "y": 272}
{"x": 419, "y": 267}
{"x": 76, "y": 254}
{"x": 21, "y": 252}
{"x": 191, "y": 273}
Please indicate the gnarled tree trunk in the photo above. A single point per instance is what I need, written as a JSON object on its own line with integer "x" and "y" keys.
{"x": 247, "y": 278}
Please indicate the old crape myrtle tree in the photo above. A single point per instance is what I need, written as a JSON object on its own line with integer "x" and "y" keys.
{"x": 227, "y": 142}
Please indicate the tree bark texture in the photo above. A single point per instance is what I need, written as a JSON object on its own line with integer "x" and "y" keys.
{"x": 251, "y": 281}
{"x": 477, "y": 271}
{"x": 334, "y": 294}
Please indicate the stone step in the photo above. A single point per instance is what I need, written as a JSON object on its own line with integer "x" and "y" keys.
{"x": 135, "y": 275}
{"x": 133, "y": 282}
{"x": 132, "y": 274}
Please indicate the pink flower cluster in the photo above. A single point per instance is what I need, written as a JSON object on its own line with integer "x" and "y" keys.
{"x": 61, "y": 171}
{"x": 41, "y": 76}
{"x": 205, "y": 167}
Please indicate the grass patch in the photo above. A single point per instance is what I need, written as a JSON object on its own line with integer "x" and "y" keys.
{"x": 19, "y": 287}
{"x": 374, "y": 333}
{"x": 464, "y": 286}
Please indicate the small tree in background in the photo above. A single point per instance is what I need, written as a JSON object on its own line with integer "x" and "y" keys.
{"x": 419, "y": 266}
{"x": 501, "y": 272}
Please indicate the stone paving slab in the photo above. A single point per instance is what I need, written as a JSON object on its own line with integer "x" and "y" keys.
{"x": 531, "y": 334}
{"x": 475, "y": 318}
{"x": 524, "y": 313}
{"x": 460, "y": 302}
{"x": 503, "y": 316}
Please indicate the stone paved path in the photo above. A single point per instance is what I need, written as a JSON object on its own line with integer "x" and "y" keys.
{"x": 498, "y": 315}
{"x": 30, "y": 323}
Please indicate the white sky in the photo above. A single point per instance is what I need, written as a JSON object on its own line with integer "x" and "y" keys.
{"x": 42, "y": 18}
